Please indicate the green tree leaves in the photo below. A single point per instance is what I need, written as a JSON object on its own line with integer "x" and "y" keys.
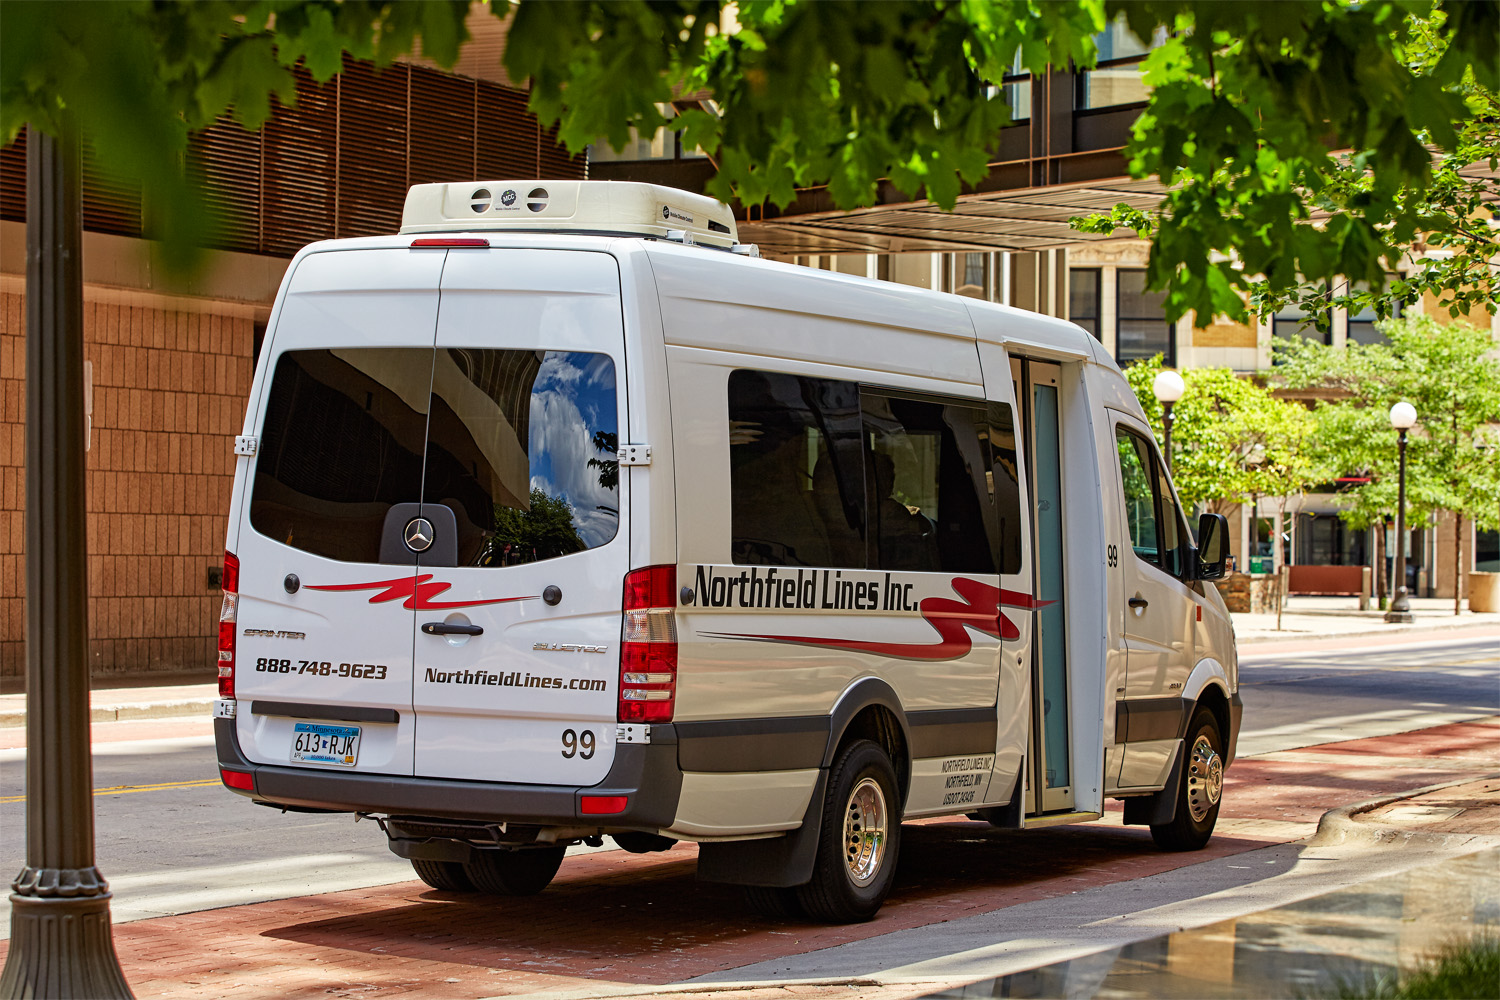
{"x": 1450, "y": 375}
{"x": 1233, "y": 441}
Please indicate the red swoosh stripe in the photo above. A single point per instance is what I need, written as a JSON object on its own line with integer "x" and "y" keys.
{"x": 417, "y": 591}
{"x": 979, "y": 609}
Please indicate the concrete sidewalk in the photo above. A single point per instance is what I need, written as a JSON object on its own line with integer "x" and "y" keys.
{"x": 1340, "y": 617}
{"x": 1305, "y": 619}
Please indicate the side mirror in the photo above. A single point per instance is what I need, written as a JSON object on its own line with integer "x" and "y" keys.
{"x": 1213, "y": 546}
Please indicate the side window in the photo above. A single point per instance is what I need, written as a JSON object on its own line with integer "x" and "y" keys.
{"x": 1004, "y": 481}
{"x": 341, "y": 443}
{"x": 929, "y": 500}
{"x": 797, "y": 490}
{"x": 1140, "y": 497}
{"x": 1157, "y": 531}
{"x": 522, "y": 447}
{"x": 1174, "y": 554}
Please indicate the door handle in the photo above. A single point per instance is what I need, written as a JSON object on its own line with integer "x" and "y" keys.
{"x": 1138, "y": 602}
{"x": 443, "y": 628}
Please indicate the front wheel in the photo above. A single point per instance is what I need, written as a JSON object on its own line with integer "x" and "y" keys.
{"x": 859, "y": 841}
{"x": 1200, "y": 789}
{"x": 514, "y": 873}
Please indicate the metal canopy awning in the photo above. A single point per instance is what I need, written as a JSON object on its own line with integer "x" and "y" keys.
{"x": 1016, "y": 219}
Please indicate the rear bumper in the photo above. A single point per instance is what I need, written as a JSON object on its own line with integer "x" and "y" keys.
{"x": 647, "y": 775}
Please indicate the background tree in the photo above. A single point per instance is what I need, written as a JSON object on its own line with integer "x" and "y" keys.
{"x": 1450, "y": 374}
{"x": 1262, "y": 114}
{"x": 1234, "y": 442}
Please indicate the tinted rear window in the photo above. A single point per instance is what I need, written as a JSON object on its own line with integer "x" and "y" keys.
{"x": 342, "y": 442}
{"x": 523, "y": 448}
{"x": 520, "y": 445}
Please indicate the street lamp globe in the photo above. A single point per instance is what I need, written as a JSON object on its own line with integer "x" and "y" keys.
{"x": 1169, "y": 387}
{"x": 1403, "y": 416}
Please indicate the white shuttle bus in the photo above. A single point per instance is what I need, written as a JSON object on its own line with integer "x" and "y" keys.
{"x": 562, "y": 515}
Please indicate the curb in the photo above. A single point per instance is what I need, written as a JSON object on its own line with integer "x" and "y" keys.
{"x": 1338, "y": 826}
{"x": 12, "y": 718}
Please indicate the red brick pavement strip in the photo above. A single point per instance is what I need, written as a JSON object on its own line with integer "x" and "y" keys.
{"x": 616, "y": 918}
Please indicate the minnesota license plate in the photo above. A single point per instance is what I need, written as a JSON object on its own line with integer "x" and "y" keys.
{"x": 318, "y": 743}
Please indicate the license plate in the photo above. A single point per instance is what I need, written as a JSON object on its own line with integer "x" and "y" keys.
{"x": 317, "y": 743}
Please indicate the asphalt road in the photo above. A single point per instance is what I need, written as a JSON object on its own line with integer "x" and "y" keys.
{"x": 171, "y": 840}
{"x": 1302, "y": 699}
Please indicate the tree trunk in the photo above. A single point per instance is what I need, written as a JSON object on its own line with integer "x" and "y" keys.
{"x": 1458, "y": 562}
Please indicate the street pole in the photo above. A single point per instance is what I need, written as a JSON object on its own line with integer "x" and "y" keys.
{"x": 1400, "y": 612}
{"x": 60, "y": 942}
{"x": 1168, "y": 388}
{"x": 1166, "y": 426}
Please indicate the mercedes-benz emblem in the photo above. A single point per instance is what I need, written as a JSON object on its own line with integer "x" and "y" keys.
{"x": 418, "y": 534}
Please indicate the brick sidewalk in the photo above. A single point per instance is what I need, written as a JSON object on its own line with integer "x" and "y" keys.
{"x": 617, "y": 922}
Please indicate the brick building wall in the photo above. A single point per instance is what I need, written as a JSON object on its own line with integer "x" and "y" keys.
{"x": 170, "y": 379}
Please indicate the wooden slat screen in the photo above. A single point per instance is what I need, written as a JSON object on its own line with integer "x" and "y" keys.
{"x": 442, "y": 127}
{"x": 300, "y": 162}
{"x": 338, "y": 163}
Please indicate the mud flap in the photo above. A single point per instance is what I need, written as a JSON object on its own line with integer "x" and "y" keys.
{"x": 777, "y": 862}
{"x": 1154, "y": 810}
{"x": 1008, "y": 816}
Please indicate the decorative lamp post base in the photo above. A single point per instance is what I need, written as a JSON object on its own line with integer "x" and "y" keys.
{"x": 1400, "y": 613}
{"x": 61, "y": 947}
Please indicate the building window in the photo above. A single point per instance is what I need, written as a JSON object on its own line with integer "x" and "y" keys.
{"x": 1294, "y": 321}
{"x": 968, "y": 274}
{"x": 1083, "y": 298}
{"x": 1142, "y": 327}
{"x": 1362, "y": 324}
{"x": 1116, "y": 78}
{"x": 1487, "y": 552}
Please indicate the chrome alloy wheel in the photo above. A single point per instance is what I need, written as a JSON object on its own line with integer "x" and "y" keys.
{"x": 1205, "y": 779}
{"x": 865, "y": 819}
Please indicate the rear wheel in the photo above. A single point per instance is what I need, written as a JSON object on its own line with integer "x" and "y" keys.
{"x": 514, "y": 873}
{"x": 1200, "y": 789}
{"x": 448, "y": 876}
{"x": 861, "y": 835}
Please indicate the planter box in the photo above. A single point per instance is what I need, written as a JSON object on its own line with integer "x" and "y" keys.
{"x": 1249, "y": 593}
{"x": 1484, "y": 591}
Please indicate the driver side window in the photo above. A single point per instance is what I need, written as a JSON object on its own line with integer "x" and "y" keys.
{"x": 1151, "y": 512}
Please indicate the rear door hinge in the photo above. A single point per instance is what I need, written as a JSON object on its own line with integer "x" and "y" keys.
{"x": 245, "y": 444}
{"x": 635, "y": 454}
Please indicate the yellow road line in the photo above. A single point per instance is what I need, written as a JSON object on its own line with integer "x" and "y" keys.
{"x": 130, "y": 789}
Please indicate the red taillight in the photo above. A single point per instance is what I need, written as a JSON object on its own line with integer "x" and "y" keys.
{"x": 228, "y": 613}
{"x": 648, "y": 647}
{"x": 238, "y": 779}
{"x": 599, "y": 805}
{"x": 450, "y": 241}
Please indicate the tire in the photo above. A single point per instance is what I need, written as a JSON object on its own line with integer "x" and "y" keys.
{"x": 776, "y": 903}
{"x": 514, "y": 873}
{"x": 859, "y": 841}
{"x": 1200, "y": 790}
{"x": 449, "y": 876}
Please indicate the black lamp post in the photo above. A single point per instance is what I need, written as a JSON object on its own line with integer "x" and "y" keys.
{"x": 1403, "y": 416}
{"x": 60, "y": 942}
{"x": 1168, "y": 389}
